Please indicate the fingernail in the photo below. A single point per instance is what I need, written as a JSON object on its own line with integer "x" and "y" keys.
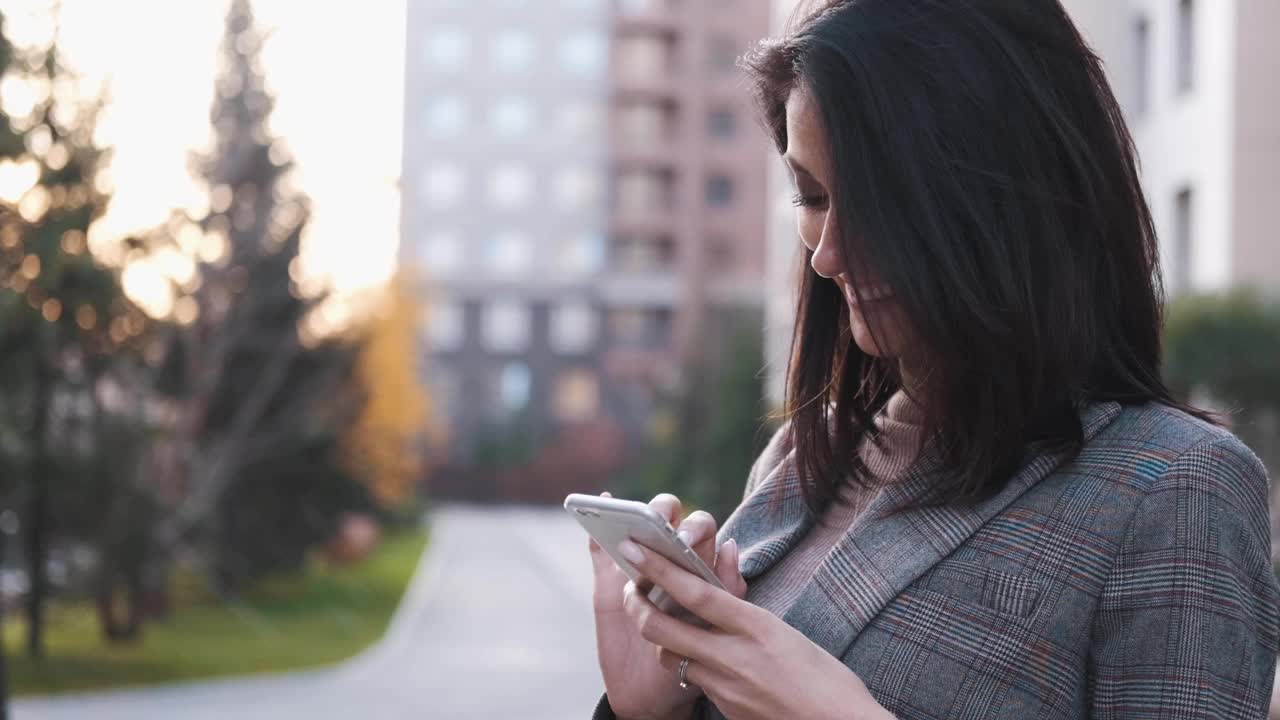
{"x": 607, "y": 494}
{"x": 733, "y": 549}
{"x": 631, "y": 551}
{"x": 684, "y": 536}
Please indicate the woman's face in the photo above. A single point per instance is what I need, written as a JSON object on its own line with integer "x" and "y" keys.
{"x": 810, "y": 164}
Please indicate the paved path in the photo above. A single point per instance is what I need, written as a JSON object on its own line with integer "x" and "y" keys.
{"x": 496, "y": 624}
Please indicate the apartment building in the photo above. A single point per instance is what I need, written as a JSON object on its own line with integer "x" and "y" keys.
{"x": 687, "y": 221}
{"x": 1197, "y": 79}
{"x": 581, "y": 181}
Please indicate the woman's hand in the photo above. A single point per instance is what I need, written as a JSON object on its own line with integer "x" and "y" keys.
{"x": 639, "y": 687}
{"x": 750, "y": 663}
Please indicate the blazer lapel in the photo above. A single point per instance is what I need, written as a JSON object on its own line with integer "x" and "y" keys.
{"x": 769, "y": 521}
{"x": 886, "y": 552}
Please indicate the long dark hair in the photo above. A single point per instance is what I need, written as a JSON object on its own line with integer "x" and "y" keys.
{"x": 983, "y": 170}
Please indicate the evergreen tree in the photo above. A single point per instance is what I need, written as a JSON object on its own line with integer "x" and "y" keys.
{"x": 714, "y": 424}
{"x": 62, "y": 312}
{"x": 733, "y": 436}
{"x": 260, "y": 410}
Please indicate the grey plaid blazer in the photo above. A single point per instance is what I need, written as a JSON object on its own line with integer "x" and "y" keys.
{"x": 1133, "y": 581}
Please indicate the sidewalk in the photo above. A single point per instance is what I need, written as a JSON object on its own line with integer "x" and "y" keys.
{"x": 496, "y": 623}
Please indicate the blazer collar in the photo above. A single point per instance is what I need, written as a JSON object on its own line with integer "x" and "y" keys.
{"x": 883, "y": 553}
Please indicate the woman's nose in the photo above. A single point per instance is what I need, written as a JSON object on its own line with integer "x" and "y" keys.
{"x": 826, "y": 259}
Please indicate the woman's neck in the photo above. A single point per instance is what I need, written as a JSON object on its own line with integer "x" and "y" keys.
{"x": 911, "y": 378}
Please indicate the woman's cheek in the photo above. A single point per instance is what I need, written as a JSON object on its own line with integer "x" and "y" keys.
{"x": 810, "y": 227}
{"x": 890, "y": 333}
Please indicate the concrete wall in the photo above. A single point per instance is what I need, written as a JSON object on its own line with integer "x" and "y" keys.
{"x": 1255, "y": 147}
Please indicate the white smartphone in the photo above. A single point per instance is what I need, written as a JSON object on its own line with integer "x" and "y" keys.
{"x": 609, "y": 521}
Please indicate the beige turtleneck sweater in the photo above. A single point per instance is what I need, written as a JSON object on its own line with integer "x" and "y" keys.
{"x": 900, "y": 440}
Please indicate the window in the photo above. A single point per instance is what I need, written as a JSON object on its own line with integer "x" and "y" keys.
{"x": 443, "y": 185}
{"x": 445, "y": 327}
{"x": 1142, "y": 66}
{"x": 510, "y": 186}
{"x": 719, "y": 190}
{"x": 447, "y": 48}
{"x": 643, "y": 254}
{"x": 1183, "y": 239}
{"x": 511, "y": 117}
{"x": 583, "y": 53}
{"x": 514, "y": 385}
{"x": 577, "y": 395}
{"x": 442, "y": 252}
{"x": 512, "y": 51}
{"x": 577, "y": 119}
{"x": 446, "y": 115}
{"x": 635, "y": 327}
{"x": 581, "y": 253}
{"x": 721, "y": 123}
{"x": 1186, "y": 46}
{"x": 723, "y": 54}
{"x": 505, "y": 326}
{"x": 577, "y": 188}
{"x": 573, "y": 328}
{"x": 445, "y": 386}
{"x": 644, "y": 56}
{"x": 645, "y": 123}
{"x": 512, "y": 252}
{"x": 644, "y": 191}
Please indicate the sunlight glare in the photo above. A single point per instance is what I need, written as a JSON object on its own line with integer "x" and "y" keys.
{"x": 16, "y": 178}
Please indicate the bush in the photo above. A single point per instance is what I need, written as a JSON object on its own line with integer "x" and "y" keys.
{"x": 1228, "y": 345}
{"x": 1226, "y": 349}
{"x": 712, "y": 428}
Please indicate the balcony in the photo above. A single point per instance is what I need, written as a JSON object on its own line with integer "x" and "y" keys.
{"x": 639, "y": 289}
{"x": 642, "y": 271}
{"x": 642, "y": 196}
{"x": 646, "y": 366}
{"x": 645, "y": 64}
{"x": 652, "y": 15}
{"x": 644, "y": 133}
{"x": 644, "y": 329}
{"x": 639, "y": 254}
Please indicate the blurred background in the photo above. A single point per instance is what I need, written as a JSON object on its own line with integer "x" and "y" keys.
{"x": 312, "y": 314}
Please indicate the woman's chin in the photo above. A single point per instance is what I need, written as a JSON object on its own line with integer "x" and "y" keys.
{"x": 862, "y": 338}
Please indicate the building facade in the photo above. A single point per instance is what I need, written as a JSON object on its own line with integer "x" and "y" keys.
{"x": 581, "y": 178}
{"x": 688, "y": 213}
{"x": 1197, "y": 81}
{"x": 504, "y": 171}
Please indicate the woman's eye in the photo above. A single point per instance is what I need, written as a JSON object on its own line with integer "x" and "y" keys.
{"x": 802, "y": 200}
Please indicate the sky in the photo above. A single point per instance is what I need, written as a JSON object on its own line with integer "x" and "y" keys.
{"x": 337, "y": 71}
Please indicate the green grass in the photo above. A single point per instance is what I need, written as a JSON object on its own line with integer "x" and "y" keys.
{"x": 320, "y": 616}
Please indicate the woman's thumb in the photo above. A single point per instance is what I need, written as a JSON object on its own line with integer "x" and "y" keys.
{"x": 727, "y": 569}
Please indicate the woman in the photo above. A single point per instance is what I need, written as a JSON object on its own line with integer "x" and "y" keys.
{"x": 984, "y": 503}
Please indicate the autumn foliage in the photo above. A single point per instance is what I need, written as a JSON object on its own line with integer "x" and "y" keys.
{"x": 386, "y": 445}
